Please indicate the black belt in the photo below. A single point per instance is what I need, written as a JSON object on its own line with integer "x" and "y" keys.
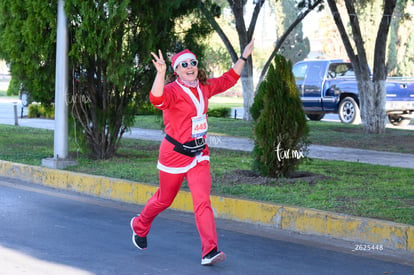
{"x": 191, "y": 148}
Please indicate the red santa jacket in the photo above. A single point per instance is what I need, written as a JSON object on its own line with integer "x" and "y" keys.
{"x": 179, "y": 105}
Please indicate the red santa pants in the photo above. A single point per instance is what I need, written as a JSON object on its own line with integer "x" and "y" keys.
{"x": 199, "y": 182}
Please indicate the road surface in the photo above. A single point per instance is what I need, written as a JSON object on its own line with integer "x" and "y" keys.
{"x": 45, "y": 231}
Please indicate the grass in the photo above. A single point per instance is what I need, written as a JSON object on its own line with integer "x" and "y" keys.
{"x": 217, "y": 102}
{"x": 350, "y": 188}
{"x": 25, "y": 145}
{"x": 322, "y": 133}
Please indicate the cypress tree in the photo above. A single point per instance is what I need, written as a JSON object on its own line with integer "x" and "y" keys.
{"x": 109, "y": 58}
{"x": 296, "y": 47}
{"x": 280, "y": 124}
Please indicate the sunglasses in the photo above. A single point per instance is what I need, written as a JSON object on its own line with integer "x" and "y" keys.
{"x": 185, "y": 64}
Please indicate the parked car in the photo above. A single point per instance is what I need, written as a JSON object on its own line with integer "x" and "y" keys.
{"x": 330, "y": 86}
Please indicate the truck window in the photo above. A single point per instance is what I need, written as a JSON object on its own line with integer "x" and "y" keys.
{"x": 299, "y": 71}
{"x": 340, "y": 70}
{"x": 315, "y": 73}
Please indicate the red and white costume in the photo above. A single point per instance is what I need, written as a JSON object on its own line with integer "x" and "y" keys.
{"x": 180, "y": 104}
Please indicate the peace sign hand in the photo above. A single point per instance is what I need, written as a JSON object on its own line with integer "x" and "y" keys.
{"x": 159, "y": 62}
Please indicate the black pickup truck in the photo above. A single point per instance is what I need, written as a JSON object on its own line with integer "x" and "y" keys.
{"x": 330, "y": 86}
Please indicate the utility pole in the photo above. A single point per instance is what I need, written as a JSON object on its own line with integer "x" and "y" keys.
{"x": 59, "y": 159}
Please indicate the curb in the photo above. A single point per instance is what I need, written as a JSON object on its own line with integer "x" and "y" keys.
{"x": 364, "y": 231}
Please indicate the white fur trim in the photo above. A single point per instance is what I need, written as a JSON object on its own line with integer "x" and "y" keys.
{"x": 182, "y": 58}
{"x": 185, "y": 169}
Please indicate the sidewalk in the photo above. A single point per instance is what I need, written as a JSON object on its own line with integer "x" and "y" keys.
{"x": 244, "y": 144}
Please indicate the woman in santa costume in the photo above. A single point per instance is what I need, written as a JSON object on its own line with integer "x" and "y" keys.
{"x": 184, "y": 152}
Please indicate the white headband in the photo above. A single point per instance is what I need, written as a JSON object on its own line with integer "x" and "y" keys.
{"x": 183, "y": 57}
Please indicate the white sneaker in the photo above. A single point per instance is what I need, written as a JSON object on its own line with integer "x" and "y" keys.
{"x": 214, "y": 257}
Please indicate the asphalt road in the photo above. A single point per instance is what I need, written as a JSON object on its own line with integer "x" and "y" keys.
{"x": 45, "y": 231}
{"x": 7, "y": 111}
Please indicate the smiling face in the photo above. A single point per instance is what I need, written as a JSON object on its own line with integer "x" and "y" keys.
{"x": 188, "y": 72}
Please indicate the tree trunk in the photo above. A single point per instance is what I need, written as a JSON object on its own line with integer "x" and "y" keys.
{"x": 373, "y": 113}
{"x": 245, "y": 35}
{"x": 371, "y": 91}
{"x": 248, "y": 94}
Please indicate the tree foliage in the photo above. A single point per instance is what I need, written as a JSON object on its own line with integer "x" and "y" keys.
{"x": 245, "y": 31}
{"x": 400, "y": 55}
{"x": 110, "y": 57}
{"x": 110, "y": 62}
{"x": 371, "y": 89}
{"x": 280, "y": 124}
{"x": 406, "y": 66}
{"x": 304, "y": 8}
{"x": 27, "y": 43}
{"x": 245, "y": 34}
{"x": 296, "y": 47}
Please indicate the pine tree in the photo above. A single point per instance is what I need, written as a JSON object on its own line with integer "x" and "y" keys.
{"x": 27, "y": 43}
{"x": 109, "y": 58}
{"x": 406, "y": 67}
{"x": 280, "y": 124}
{"x": 110, "y": 52}
{"x": 296, "y": 47}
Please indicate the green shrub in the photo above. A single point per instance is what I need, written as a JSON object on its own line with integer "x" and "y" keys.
{"x": 280, "y": 127}
{"x": 219, "y": 112}
{"x": 14, "y": 87}
{"x": 148, "y": 109}
{"x": 33, "y": 110}
{"x": 36, "y": 110}
{"x": 48, "y": 111}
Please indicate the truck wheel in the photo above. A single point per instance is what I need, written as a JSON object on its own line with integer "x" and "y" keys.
{"x": 349, "y": 111}
{"x": 315, "y": 117}
{"x": 397, "y": 120}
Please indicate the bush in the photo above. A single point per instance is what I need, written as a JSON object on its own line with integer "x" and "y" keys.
{"x": 33, "y": 111}
{"x": 219, "y": 112}
{"x": 36, "y": 110}
{"x": 280, "y": 127}
{"x": 148, "y": 109}
{"x": 14, "y": 87}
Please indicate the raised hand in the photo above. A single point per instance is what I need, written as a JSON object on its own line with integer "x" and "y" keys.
{"x": 159, "y": 62}
{"x": 238, "y": 66}
{"x": 248, "y": 49}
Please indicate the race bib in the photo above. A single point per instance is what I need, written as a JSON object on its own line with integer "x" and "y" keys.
{"x": 200, "y": 126}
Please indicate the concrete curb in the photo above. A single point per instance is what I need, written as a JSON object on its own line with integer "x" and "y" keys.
{"x": 362, "y": 231}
